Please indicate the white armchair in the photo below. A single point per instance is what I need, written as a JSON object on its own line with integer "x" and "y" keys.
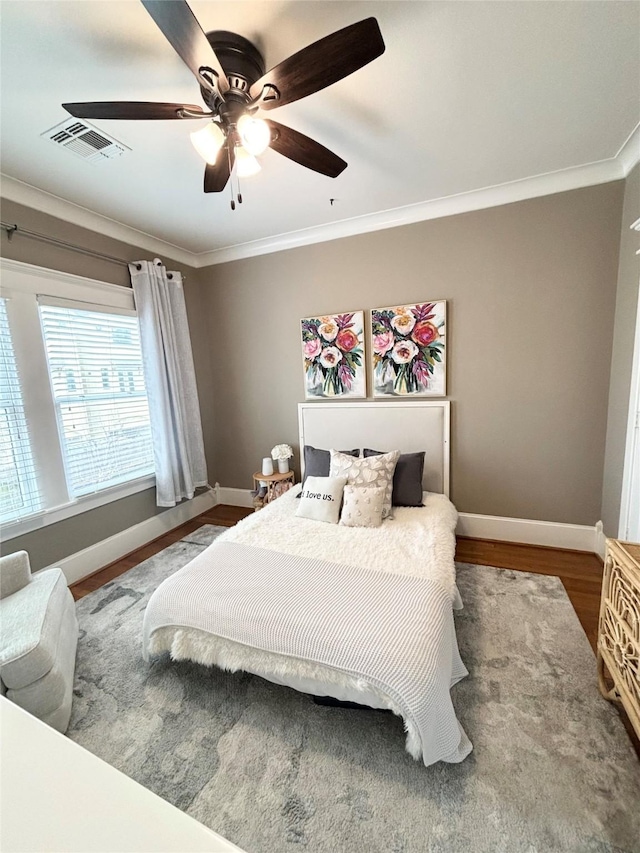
{"x": 38, "y": 639}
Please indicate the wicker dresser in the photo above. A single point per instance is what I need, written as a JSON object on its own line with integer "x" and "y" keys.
{"x": 619, "y": 628}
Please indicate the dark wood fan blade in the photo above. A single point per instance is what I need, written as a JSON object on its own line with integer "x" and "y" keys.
{"x": 133, "y": 110}
{"x": 305, "y": 151}
{"x": 320, "y": 64}
{"x": 216, "y": 176}
{"x": 180, "y": 27}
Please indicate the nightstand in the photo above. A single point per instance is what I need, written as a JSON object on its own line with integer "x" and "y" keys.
{"x": 277, "y": 484}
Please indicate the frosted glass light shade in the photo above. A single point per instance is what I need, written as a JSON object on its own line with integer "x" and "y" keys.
{"x": 246, "y": 164}
{"x": 208, "y": 141}
{"x": 254, "y": 133}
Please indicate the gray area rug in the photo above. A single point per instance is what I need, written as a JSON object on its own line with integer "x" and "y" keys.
{"x": 552, "y": 768}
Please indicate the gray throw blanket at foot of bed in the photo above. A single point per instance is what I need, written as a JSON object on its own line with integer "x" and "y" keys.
{"x": 393, "y": 632}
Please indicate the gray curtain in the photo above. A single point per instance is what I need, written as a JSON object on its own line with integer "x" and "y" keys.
{"x": 170, "y": 379}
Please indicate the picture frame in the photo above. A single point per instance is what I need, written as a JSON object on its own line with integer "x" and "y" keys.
{"x": 333, "y": 356}
{"x": 408, "y": 350}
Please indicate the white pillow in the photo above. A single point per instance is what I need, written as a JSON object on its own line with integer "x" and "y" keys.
{"x": 362, "y": 506}
{"x": 321, "y": 497}
{"x": 370, "y": 471}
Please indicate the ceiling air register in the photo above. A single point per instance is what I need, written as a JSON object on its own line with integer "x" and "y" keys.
{"x": 85, "y": 141}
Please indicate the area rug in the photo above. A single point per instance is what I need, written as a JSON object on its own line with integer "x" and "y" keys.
{"x": 552, "y": 769}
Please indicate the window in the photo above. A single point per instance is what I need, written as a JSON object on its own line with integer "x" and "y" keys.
{"x": 105, "y": 434}
{"x": 18, "y": 486}
{"x": 74, "y": 420}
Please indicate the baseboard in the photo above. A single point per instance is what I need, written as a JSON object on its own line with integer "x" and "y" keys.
{"x": 575, "y": 537}
{"x": 601, "y": 541}
{"x": 89, "y": 560}
{"x": 233, "y": 497}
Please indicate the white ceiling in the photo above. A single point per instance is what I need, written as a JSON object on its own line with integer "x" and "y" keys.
{"x": 468, "y": 95}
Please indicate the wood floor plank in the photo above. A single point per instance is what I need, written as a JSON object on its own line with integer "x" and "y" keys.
{"x": 223, "y": 516}
{"x": 579, "y": 571}
{"x": 533, "y": 558}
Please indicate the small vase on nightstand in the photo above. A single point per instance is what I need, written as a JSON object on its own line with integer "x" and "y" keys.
{"x": 283, "y": 466}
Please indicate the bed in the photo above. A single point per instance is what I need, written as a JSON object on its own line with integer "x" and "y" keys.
{"x": 386, "y": 635}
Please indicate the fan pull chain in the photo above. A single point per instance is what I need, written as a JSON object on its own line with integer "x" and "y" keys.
{"x": 233, "y": 204}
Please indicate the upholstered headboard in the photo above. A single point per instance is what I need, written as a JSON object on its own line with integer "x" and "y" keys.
{"x": 409, "y": 427}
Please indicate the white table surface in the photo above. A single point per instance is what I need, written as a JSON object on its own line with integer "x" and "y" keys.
{"x": 56, "y": 797}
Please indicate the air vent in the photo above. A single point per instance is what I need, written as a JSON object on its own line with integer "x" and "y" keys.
{"x": 86, "y": 141}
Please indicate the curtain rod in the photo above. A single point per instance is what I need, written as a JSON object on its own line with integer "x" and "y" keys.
{"x": 13, "y": 229}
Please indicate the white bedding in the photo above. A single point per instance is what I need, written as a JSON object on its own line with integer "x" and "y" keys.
{"x": 417, "y": 541}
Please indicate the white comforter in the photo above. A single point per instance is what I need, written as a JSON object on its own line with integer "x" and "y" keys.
{"x": 417, "y": 541}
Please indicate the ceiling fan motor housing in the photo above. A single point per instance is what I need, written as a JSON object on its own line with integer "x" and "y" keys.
{"x": 242, "y": 63}
{"x": 231, "y": 73}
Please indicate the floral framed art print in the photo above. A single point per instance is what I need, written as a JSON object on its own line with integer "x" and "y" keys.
{"x": 408, "y": 345}
{"x": 333, "y": 356}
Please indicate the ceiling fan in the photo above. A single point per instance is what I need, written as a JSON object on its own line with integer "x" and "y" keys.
{"x": 234, "y": 86}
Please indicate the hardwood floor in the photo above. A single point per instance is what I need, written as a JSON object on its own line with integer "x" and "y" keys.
{"x": 579, "y": 571}
{"x": 223, "y": 515}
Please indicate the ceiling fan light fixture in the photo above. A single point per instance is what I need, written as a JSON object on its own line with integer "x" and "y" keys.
{"x": 208, "y": 141}
{"x": 254, "y": 133}
{"x": 234, "y": 85}
{"x": 246, "y": 163}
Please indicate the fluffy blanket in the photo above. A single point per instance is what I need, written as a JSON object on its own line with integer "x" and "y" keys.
{"x": 417, "y": 541}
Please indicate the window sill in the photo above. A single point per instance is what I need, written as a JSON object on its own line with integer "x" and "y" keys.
{"x": 43, "y": 519}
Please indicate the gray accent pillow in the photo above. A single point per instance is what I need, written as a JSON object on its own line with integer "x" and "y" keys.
{"x": 317, "y": 462}
{"x": 321, "y": 499}
{"x": 407, "y": 478}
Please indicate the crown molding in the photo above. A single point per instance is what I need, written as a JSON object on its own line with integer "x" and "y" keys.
{"x": 576, "y": 177}
{"x": 629, "y": 154}
{"x": 44, "y": 202}
{"x": 591, "y": 174}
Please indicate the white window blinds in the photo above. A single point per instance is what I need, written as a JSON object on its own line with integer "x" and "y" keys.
{"x": 95, "y": 367}
{"x": 19, "y": 493}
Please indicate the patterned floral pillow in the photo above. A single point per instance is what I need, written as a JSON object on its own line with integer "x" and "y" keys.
{"x": 362, "y": 506}
{"x": 374, "y": 471}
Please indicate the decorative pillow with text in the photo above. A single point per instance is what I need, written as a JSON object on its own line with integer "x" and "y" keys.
{"x": 317, "y": 462}
{"x": 321, "y": 498}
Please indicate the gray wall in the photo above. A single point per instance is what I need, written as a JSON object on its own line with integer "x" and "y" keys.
{"x": 59, "y": 540}
{"x": 532, "y": 294}
{"x": 622, "y": 356}
{"x": 531, "y": 289}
